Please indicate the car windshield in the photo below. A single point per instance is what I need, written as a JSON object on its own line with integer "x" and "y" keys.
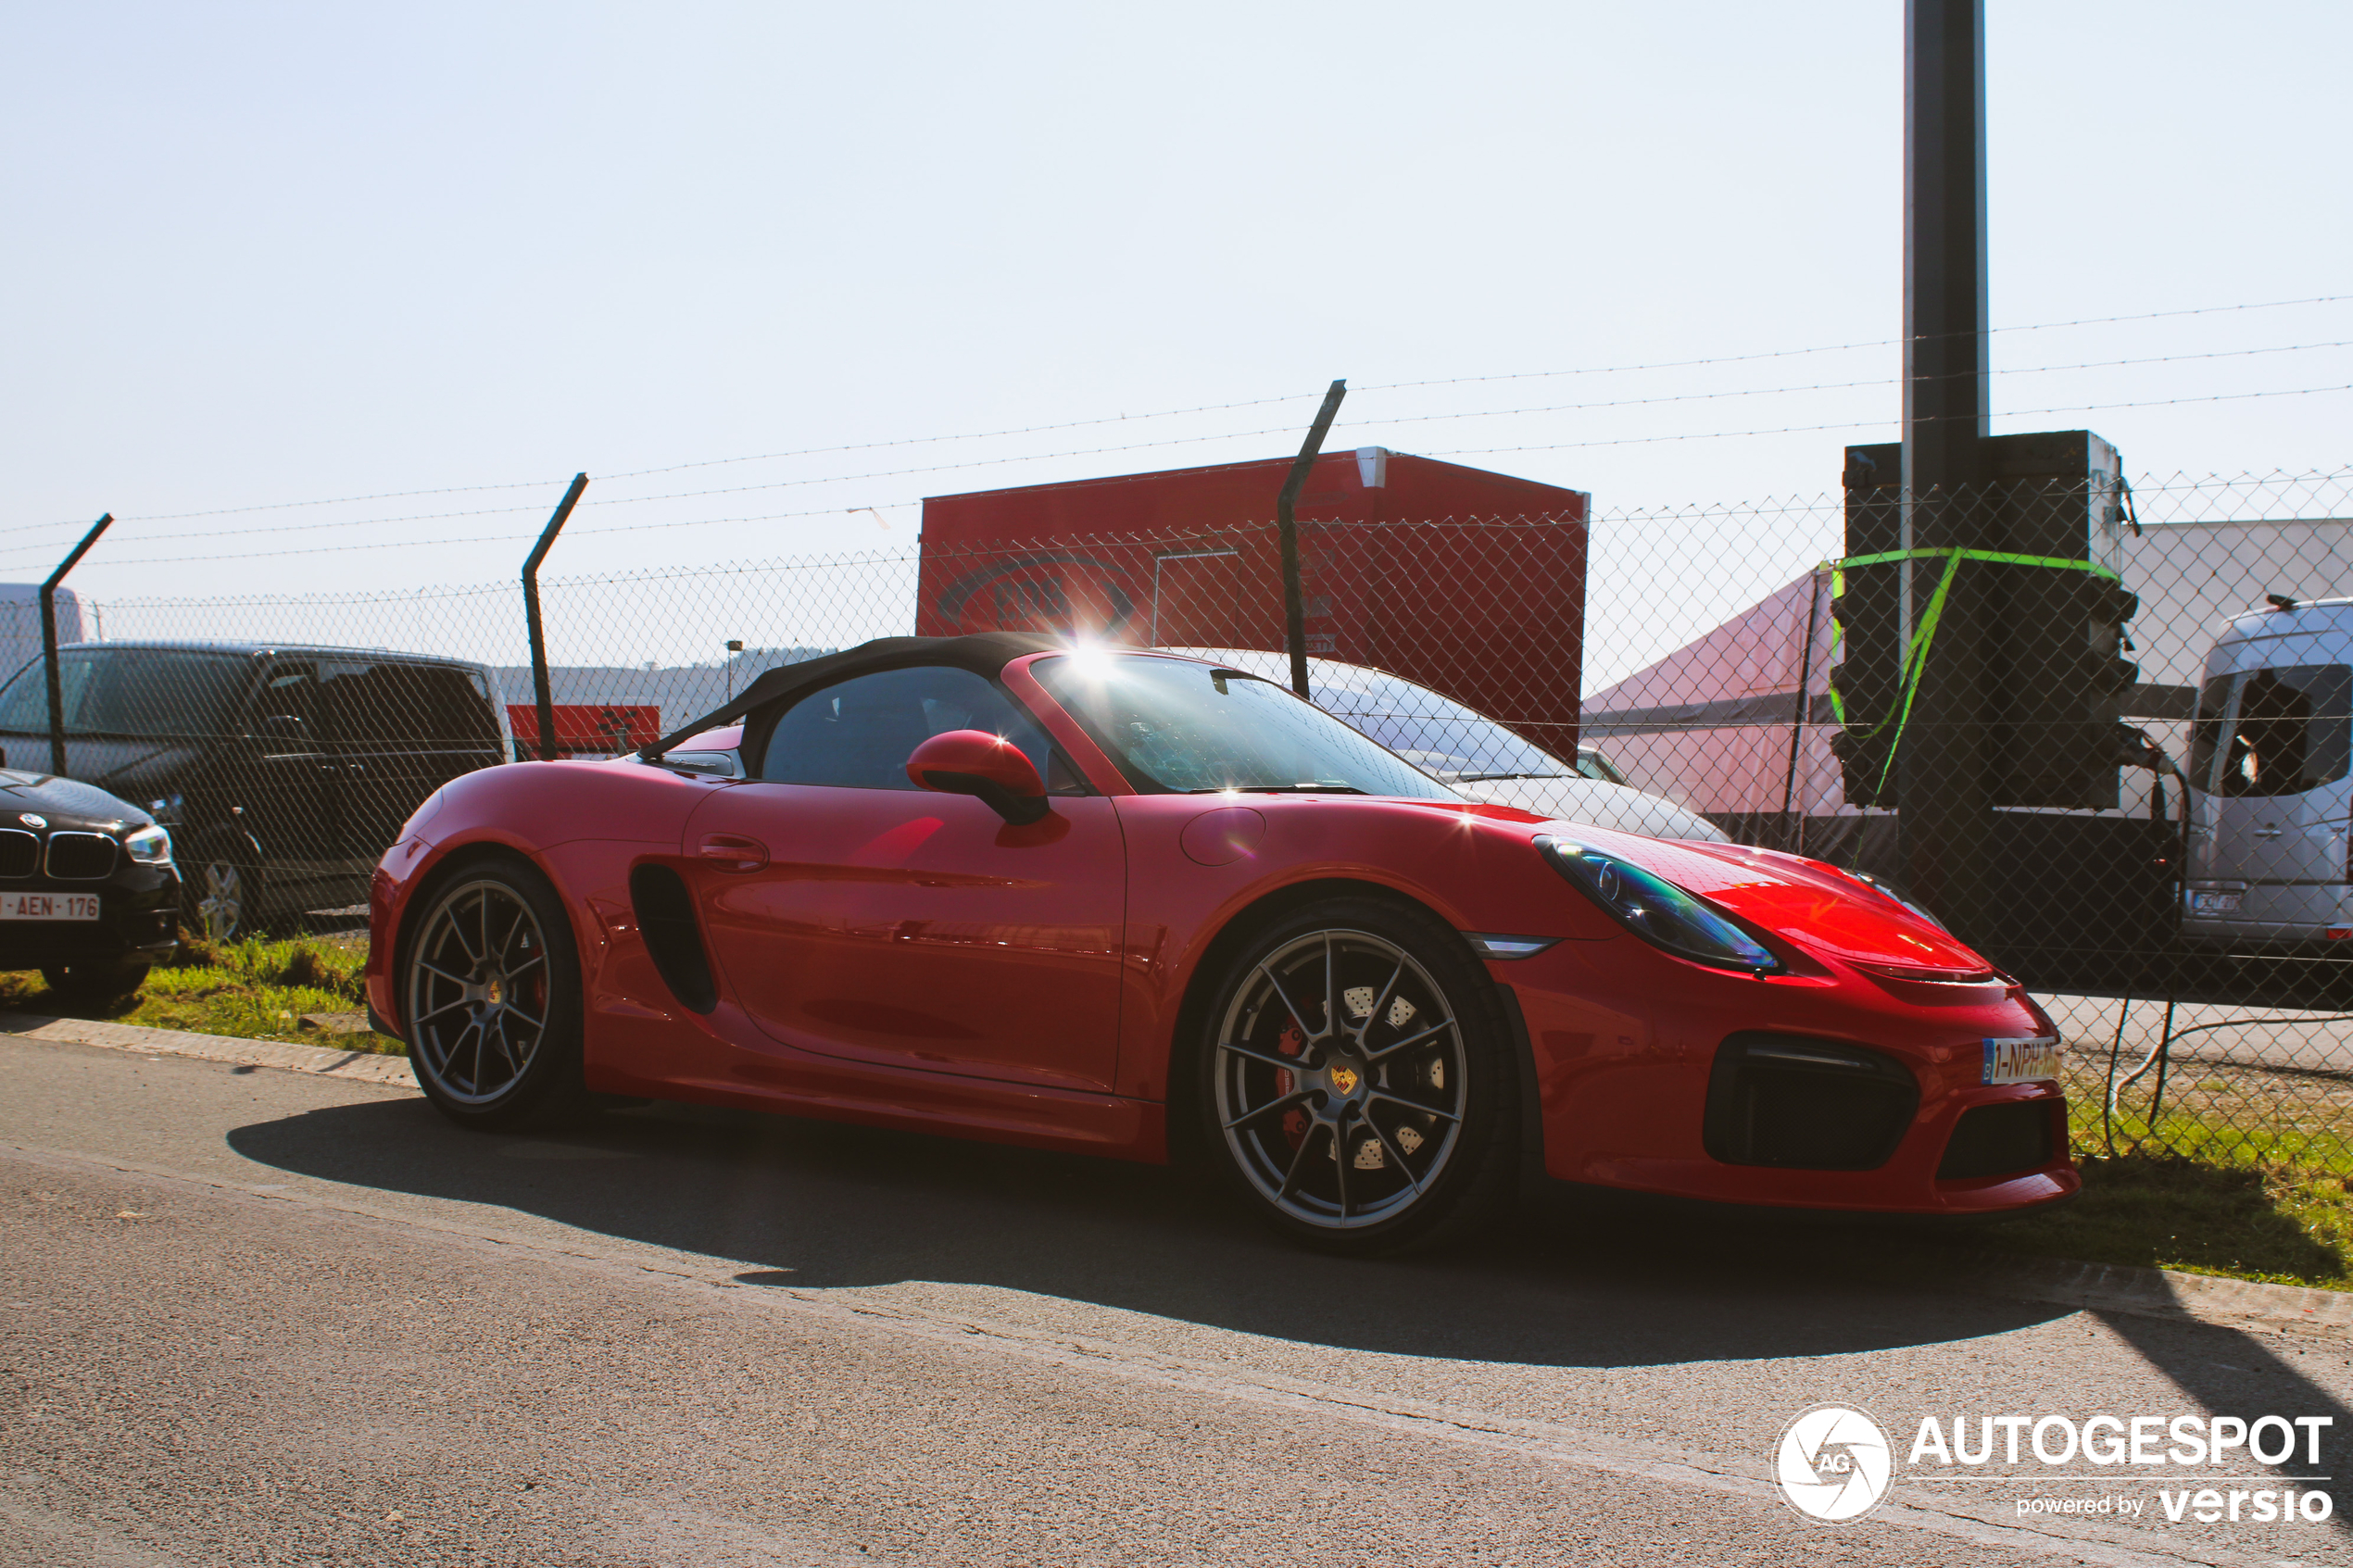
{"x": 1179, "y": 726}
{"x": 146, "y": 692}
{"x": 1436, "y": 734}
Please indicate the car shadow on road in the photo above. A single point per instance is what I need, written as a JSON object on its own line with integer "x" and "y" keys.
{"x": 819, "y": 1205}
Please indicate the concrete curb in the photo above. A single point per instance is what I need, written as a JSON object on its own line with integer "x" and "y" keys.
{"x": 2098, "y": 1288}
{"x": 2163, "y": 1293}
{"x": 367, "y": 1067}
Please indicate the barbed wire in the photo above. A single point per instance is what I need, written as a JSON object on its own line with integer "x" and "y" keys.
{"x": 1212, "y": 408}
{"x": 1867, "y": 424}
{"x": 1240, "y": 436}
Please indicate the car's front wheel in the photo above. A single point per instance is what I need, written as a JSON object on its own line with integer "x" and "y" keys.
{"x": 1358, "y": 1085}
{"x": 221, "y": 890}
{"x": 99, "y": 985}
{"x": 490, "y": 994}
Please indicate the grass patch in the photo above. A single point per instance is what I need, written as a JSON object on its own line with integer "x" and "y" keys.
{"x": 2279, "y": 1222}
{"x": 256, "y": 988}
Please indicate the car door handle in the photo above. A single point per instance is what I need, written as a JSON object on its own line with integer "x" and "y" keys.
{"x": 733, "y": 851}
{"x": 2268, "y": 833}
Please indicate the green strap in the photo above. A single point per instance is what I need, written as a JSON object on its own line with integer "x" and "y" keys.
{"x": 1924, "y": 634}
{"x": 1999, "y": 558}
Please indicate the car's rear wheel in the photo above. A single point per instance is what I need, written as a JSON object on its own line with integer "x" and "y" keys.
{"x": 1358, "y": 1086}
{"x": 490, "y": 995}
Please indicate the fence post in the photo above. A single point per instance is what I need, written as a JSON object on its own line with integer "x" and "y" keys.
{"x": 1944, "y": 800}
{"x": 531, "y": 615}
{"x": 1287, "y": 529}
{"x": 49, "y": 641}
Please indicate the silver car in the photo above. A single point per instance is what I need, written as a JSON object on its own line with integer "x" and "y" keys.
{"x": 1474, "y": 753}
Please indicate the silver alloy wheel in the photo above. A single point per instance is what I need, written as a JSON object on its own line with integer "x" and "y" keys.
{"x": 478, "y": 988}
{"x": 221, "y": 910}
{"x": 1341, "y": 1080}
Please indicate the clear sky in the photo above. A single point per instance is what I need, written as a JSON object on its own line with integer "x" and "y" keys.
{"x": 266, "y": 254}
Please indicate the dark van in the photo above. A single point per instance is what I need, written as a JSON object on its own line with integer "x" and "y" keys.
{"x": 283, "y": 772}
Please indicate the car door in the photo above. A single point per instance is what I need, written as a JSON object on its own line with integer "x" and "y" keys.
{"x": 292, "y": 798}
{"x": 855, "y": 915}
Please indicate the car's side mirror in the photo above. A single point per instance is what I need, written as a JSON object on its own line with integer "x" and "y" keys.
{"x": 975, "y": 762}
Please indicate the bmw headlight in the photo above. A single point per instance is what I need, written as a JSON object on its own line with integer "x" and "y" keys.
{"x": 1655, "y": 910}
{"x": 149, "y": 845}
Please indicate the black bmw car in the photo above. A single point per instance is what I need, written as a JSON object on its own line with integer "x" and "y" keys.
{"x": 88, "y": 892}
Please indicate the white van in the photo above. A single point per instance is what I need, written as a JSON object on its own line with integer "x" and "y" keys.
{"x": 2270, "y": 755}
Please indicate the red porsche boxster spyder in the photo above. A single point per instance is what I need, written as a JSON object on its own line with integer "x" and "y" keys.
{"x": 1124, "y": 902}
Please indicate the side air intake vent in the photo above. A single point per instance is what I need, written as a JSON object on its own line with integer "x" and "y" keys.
{"x": 666, "y": 915}
{"x": 1806, "y": 1104}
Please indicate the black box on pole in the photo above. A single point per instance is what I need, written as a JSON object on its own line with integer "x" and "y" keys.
{"x": 2051, "y": 671}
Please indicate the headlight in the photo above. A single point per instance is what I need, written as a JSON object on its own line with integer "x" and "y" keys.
{"x": 149, "y": 847}
{"x": 1655, "y": 910}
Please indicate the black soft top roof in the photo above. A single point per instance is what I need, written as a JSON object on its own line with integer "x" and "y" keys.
{"x": 984, "y": 653}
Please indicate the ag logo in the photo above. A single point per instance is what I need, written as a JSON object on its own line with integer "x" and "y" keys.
{"x": 31, "y": 820}
{"x": 1833, "y": 1463}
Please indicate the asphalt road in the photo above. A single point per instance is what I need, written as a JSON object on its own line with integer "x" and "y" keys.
{"x": 250, "y": 1316}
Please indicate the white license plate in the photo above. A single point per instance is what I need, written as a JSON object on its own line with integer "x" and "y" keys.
{"x": 2215, "y": 903}
{"x": 2022, "y": 1062}
{"x": 49, "y": 906}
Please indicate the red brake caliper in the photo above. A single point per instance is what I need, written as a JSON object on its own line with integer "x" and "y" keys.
{"x": 1291, "y": 1042}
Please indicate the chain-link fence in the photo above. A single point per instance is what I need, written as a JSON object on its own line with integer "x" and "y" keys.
{"x": 2103, "y": 733}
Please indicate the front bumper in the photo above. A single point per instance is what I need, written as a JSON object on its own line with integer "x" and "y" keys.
{"x": 1624, "y": 1042}
{"x": 138, "y": 917}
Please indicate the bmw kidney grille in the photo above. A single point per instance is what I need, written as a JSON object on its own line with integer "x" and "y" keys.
{"x": 20, "y": 853}
{"x": 81, "y": 857}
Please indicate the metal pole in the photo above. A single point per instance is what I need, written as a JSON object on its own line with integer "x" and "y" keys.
{"x": 531, "y": 615}
{"x": 1801, "y": 715}
{"x": 1286, "y": 528}
{"x": 1943, "y": 797}
{"x": 49, "y": 641}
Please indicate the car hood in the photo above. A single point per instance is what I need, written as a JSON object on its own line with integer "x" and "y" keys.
{"x": 65, "y": 802}
{"x": 1812, "y": 903}
{"x": 1598, "y": 802}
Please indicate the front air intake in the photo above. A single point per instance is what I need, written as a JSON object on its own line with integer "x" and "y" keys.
{"x": 666, "y": 917}
{"x": 2000, "y": 1140}
{"x": 1806, "y": 1104}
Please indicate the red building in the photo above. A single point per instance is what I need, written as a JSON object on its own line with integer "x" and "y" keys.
{"x": 1469, "y": 582}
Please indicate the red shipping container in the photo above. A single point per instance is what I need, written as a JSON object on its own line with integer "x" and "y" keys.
{"x": 587, "y": 727}
{"x": 1470, "y": 582}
